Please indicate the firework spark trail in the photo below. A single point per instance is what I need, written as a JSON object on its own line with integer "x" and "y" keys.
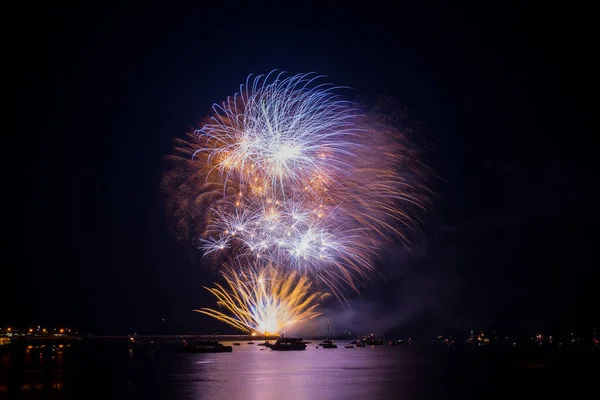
{"x": 264, "y": 300}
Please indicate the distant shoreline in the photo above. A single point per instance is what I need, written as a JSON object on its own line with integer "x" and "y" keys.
{"x": 247, "y": 338}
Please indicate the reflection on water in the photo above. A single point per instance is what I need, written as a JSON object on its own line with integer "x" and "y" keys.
{"x": 32, "y": 372}
{"x": 116, "y": 371}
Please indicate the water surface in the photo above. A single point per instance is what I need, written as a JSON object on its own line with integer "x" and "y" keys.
{"x": 417, "y": 371}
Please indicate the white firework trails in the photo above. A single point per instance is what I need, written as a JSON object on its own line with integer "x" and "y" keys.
{"x": 287, "y": 132}
{"x": 298, "y": 178}
{"x": 292, "y": 232}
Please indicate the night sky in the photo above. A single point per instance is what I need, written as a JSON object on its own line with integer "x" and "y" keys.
{"x": 98, "y": 94}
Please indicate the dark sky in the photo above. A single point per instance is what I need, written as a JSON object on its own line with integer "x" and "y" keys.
{"x": 99, "y": 92}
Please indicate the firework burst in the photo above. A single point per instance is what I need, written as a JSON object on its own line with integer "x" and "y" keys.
{"x": 286, "y": 176}
{"x": 300, "y": 178}
{"x": 264, "y": 300}
{"x": 286, "y": 132}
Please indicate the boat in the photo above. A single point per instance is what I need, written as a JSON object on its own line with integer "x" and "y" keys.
{"x": 250, "y": 343}
{"x": 204, "y": 346}
{"x": 283, "y": 344}
{"x": 328, "y": 343}
{"x": 397, "y": 342}
{"x": 349, "y": 346}
{"x": 236, "y": 344}
{"x": 371, "y": 341}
